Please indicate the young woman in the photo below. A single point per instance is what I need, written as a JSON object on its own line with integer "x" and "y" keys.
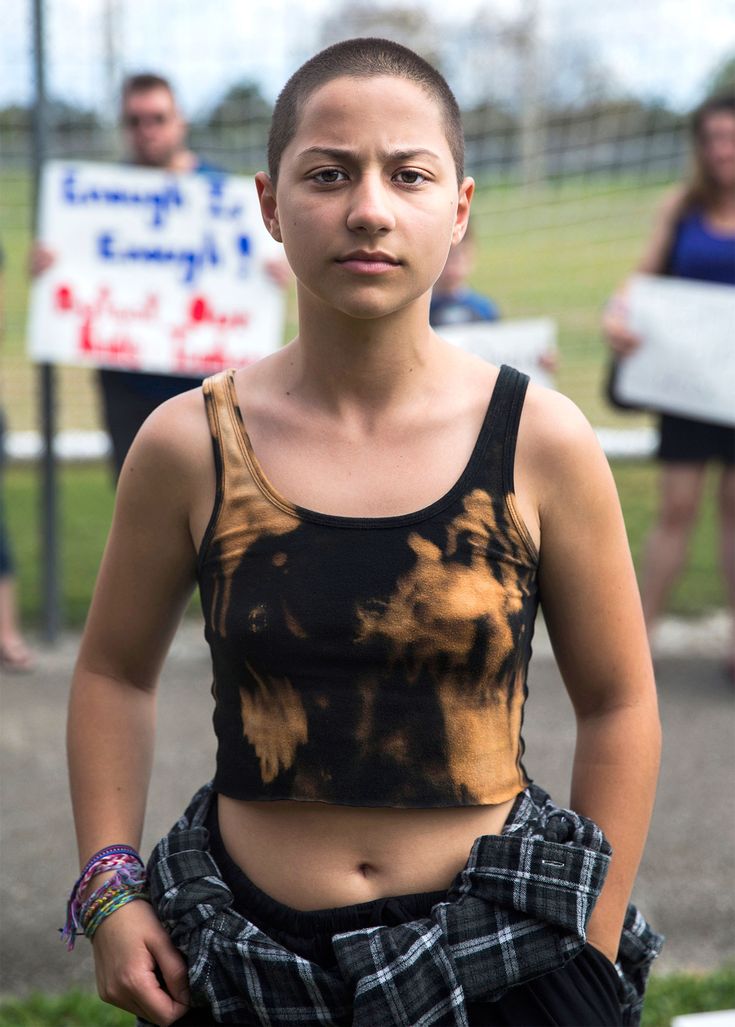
{"x": 693, "y": 237}
{"x": 372, "y": 516}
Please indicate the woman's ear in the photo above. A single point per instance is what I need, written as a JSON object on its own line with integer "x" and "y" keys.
{"x": 466, "y": 191}
{"x": 268, "y": 206}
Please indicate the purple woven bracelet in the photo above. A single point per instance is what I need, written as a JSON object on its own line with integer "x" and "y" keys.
{"x": 120, "y": 858}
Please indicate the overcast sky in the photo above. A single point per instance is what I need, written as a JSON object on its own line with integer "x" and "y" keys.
{"x": 655, "y": 48}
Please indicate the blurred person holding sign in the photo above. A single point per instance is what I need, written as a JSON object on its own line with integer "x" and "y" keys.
{"x": 694, "y": 240}
{"x": 155, "y": 134}
{"x": 452, "y": 300}
{"x": 455, "y": 304}
{"x": 373, "y": 516}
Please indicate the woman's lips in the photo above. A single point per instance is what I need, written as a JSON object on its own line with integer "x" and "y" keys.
{"x": 363, "y": 264}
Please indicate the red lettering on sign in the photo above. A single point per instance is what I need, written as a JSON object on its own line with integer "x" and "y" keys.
{"x": 115, "y": 350}
{"x": 64, "y": 299}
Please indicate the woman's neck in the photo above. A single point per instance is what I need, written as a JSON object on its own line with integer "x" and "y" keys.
{"x": 364, "y": 366}
{"x": 722, "y": 202}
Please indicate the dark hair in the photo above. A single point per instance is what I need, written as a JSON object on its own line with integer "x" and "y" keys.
{"x": 701, "y": 189}
{"x": 364, "y": 57}
{"x": 143, "y": 83}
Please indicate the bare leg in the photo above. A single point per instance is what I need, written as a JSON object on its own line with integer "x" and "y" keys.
{"x": 726, "y": 501}
{"x": 14, "y": 653}
{"x": 680, "y": 494}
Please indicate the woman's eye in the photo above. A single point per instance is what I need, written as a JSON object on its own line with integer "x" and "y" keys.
{"x": 329, "y": 176}
{"x": 409, "y": 177}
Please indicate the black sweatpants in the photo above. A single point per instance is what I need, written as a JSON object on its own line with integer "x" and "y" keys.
{"x": 584, "y": 993}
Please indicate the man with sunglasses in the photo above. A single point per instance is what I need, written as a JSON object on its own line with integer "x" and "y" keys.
{"x": 155, "y": 137}
{"x": 155, "y": 130}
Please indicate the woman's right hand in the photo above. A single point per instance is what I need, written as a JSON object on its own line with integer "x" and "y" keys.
{"x": 129, "y": 946}
{"x": 621, "y": 340}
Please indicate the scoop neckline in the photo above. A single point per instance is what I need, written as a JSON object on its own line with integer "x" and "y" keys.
{"x": 273, "y": 495}
{"x": 713, "y": 232}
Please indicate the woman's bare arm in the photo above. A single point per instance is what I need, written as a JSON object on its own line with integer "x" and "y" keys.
{"x": 592, "y": 609}
{"x": 144, "y": 582}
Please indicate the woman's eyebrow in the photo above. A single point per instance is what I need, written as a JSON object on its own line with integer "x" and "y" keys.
{"x": 346, "y": 154}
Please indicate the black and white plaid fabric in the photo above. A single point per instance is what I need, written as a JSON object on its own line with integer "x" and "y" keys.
{"x": 518, "y": 909}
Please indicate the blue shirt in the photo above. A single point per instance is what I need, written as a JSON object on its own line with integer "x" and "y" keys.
{"x": 701, "y": 253}
{"x": 461, "y": 307}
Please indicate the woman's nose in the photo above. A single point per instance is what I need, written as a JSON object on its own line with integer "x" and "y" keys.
{"x": 370, "y": 207}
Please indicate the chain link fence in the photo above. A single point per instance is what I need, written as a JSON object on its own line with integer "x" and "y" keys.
{"x": 576, "y": 124}
{"x": 569, "y": 159}
{"x": 570, "y": 156}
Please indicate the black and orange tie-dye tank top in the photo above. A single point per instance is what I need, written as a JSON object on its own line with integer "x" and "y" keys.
{"x": 369, "y": 661}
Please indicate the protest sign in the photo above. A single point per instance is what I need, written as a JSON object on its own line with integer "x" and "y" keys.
{"x": 685, "y": 364}
{"x": 519, "y": 343}
{"x": 153, "y": 271}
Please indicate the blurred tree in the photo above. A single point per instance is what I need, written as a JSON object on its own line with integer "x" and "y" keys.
{"x": 575, "y": 75}
{"x": 234, "y": 131}
{"x": 242, "y": 102}
{"x": 72, "y": 132}
{"x": 402, "y": 22}
{"x": 15, "y": 117}
{"x": 62, "y": 117}
{"x": 722, "y": 79}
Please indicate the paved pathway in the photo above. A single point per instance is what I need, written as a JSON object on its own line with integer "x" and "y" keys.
{"x": 686, "y": 880}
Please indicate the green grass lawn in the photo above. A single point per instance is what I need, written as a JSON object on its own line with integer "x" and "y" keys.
{"x": 556, "y": 250}
{"x": 86, "y": 502}
{"x": 668, "y": 996}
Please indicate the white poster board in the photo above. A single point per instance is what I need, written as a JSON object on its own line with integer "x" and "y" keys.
{"x": 685, "y": 364}
{"x": 520, "y": 343}
{"x": 153, "y": 271}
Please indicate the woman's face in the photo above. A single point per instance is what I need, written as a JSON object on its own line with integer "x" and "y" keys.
{"x": 717, "y": 147}
{"x": 367, "y": 202}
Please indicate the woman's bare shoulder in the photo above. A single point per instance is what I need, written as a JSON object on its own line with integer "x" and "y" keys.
{"x": 671, "y": 204}
{"x": 556, "y": 442}
{"x": 554, "y": 421}
{"x": 173, "y": 446}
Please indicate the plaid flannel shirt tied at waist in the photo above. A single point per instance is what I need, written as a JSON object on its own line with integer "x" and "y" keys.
{"x": 518, "y": 909}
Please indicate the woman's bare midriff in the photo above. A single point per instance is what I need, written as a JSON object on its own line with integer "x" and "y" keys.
{"x": 313, "y": 855}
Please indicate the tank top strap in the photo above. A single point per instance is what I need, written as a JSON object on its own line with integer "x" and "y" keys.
{"x": 224, "y": 416}
{"x": 505, "y": 415}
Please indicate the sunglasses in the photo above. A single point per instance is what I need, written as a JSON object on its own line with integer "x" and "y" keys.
{"x": 136, "y": 120}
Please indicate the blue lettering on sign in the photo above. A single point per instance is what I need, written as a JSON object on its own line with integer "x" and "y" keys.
{"x": 217, "y": 206}
{"x": 191, "y": 261}
{"x": 104, "y": 246}
{"x": 159, "y": 202}
{"x": 244, "y": 254}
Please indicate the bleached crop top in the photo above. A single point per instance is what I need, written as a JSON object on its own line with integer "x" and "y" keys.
{"x": 369, "y": 661}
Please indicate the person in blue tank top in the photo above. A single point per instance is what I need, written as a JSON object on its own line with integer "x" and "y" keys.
{"x": 694, "y": 238}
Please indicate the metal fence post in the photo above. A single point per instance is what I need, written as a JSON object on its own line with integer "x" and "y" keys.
{"x": 49, "y": 484}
